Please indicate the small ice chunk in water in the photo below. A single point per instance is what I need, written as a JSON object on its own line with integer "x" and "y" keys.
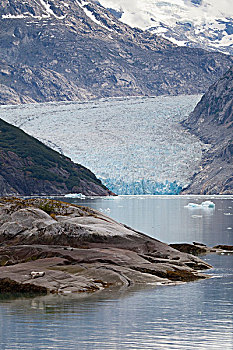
{"x": 203, "y": 205}
{"x": 105, "y": 210}
{"x": 208, "y": 204}
{"x": 75, "y": 195}
{"x": 192, "y": 205}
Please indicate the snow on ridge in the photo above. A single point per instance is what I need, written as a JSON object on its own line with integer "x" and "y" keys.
{"x": 91, "y": 15}
{"x": 45, "y": 5}
{"x": 23, "y": 15}
{"x": 13, "y": 16}
{"x": 49, "y": 10}
{"x": 178, "y": 42}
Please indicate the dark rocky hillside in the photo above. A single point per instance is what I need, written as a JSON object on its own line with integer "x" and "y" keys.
{"x": 72, "y": 50}
{"x": 212, "y": 121}
{"x": 28, "y": 167}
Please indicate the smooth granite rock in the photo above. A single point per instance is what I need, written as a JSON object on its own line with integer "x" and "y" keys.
{"x": 77, "y": 249}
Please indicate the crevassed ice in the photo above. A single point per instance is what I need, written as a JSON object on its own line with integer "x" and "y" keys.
{"x": 135, "y": 145}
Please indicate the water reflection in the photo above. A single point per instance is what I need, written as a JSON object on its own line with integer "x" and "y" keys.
{"x": 196, "y": 315}
{"x": 167, "y": 219}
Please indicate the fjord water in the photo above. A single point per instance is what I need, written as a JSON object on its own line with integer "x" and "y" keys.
{"x": 166, "y": 217}
{"x": 195, "y": 315}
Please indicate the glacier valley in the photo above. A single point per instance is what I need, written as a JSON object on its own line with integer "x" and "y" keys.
{"x": 134, "y": 145}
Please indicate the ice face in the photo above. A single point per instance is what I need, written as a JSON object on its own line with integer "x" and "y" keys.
{"x": 124, "y": 187}
{"x": 135, "y": 145}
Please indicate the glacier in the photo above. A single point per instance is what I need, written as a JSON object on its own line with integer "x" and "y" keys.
{"x": 135, "y": 145}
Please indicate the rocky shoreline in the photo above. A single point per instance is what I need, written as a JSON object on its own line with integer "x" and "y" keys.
{"x": 47, "y": 246}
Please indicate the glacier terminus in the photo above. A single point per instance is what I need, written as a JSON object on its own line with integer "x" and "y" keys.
{"x": 135, "y": 145}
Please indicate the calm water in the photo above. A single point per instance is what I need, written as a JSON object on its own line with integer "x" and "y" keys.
{"x": 189, "y": 316}
{"x": 167, "y": 219}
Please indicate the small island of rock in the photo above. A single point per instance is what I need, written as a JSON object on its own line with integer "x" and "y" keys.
{"x": 47, "y": 246}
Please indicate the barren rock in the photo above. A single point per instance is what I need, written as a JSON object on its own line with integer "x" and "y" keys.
{"x": 82, "y": 250}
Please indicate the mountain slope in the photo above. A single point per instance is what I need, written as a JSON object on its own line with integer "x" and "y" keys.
{"x": 76, "y": 50}
{"x": 28, "y": 167}
{"x": 212, "y": 121}
{"x": 195, "y": 23}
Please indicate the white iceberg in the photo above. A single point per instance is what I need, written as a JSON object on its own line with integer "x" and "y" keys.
{"x": 75, "y": 195}
{"x": 208, "y": 204}
{"x": 105, "y": 210}
{"x": 192, "y": 205}
{"x": 203, "y": 205}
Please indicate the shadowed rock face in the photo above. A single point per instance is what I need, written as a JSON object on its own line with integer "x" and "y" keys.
{"x": 82, "y": 250}
{"x": 212, "y": 121}
{"x": 75, "y": 50}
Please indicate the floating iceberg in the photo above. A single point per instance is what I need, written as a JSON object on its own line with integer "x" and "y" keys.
{"x": 105, "y": 210}
{"x": 192, "y": 205}
{"x": 203, "y": 205}
{"x": 208, "y": 204}
{"x": 75, "y": 195}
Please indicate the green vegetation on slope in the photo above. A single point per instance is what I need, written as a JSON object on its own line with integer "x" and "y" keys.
{"x": 41, "y": 162}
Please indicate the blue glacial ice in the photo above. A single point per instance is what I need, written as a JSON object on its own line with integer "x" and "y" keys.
{"x": 134, "y": 145}
{"x": 142, "y": 187}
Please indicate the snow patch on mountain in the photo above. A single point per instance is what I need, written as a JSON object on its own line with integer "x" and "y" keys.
{"x": 198, "y": 23}
{"x": 91, "y": 14}
{"x": 13, "y": 16}
{"x": 47, "y": 13}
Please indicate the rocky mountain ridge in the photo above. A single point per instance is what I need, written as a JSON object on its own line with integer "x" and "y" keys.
{"x": 212, "y": 121}
{"x": 76, "y": 50}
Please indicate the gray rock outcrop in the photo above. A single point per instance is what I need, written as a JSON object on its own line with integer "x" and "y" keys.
{"x": 62, "y": 248}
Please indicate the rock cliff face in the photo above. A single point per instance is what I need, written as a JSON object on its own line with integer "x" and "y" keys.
{"x": 28, "y": 167}
{"x": 212, "y": 121}
{"x": 75, "y": 50}
{"x": 50, "y": 246}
